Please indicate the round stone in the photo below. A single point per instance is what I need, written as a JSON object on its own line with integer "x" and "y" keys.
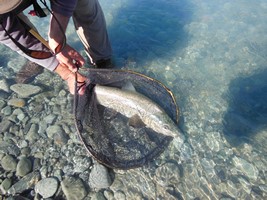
{"x": 9, "y": 163}
{"x": 25, "y": 90}
{"x": 24, "y": 166}
{"x": 47, "y": 187}
{"x": 16, "y": 102}
{"x": 99, "y": 177}
{"x": 73, "y": 188}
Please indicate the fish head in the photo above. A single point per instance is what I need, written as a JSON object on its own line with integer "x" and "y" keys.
{"x": 163, "y": 124}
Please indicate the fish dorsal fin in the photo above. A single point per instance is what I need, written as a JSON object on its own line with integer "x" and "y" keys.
{"x": 136, "y": 122}
{"x": 128, "y": 86}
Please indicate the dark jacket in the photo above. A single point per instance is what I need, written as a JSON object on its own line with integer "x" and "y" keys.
{"x": 18, "y": 31}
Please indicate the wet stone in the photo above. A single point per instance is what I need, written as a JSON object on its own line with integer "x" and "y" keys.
{"x": 4, "y": 85}
{"x": 50, "y": 119}
{"x": 47, "y": 187}
{"x": 9, "y": 163}
{"x": 24, "y": 166}
{"x": 6, "y": 110}
{"x": 98, "y": 196}
{"x": 221, "y": 174}
{"x": 81, "y": 163}
{"x": 22, "y": 144}
{"x": 16, "y": 102}
{"x": 58, "y": 174}
{"x": 32, "y": 134}
{"x": 99, "y": 177}
{"x": 73, "y": 188}
{"x": 61, "y": 138}
{"x": 257, "y": 190}
{"x": 165, "y": 174}
{"x": 5, "y": 125}
{"x": 25, "y": 151}
{"x": 2, "y": 104}
{"x": 108, "y": 194}
{"x": 52, "y": 130}
{"x": 3, "y": 94}
{"x": 119, "y": 195}
{"x": 25, "y": 183}
{"x": 5, "y": 185}
{"x": 245, "y": 168}
{"x": 25, "y": 90}
{"x": 9, "y": 148}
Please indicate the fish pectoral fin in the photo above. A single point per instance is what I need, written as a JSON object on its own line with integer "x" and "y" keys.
{"x": 136, "y": 122}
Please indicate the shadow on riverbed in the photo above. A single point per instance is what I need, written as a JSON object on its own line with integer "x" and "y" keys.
{"x": 148, "y": 30}
{"x": 247, "y": 113}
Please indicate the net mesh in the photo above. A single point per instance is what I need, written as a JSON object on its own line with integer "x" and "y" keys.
{"x": 107, "y": 135}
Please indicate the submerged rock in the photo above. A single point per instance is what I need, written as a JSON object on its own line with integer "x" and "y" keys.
{"x": 25, "y": 90}
{"x": 32, "y": 134}
{"x": 246, "y": 168}
{"x": 28, "y": 72}
{"x": 4, "y": 85}
{"x": 167, "y": 174}
{"x": 9, "y": 148}
{"x": 73, "y": 188}
{"x": 25, "y": 183}
{"x": 5, "y": 185}
{"x": 47, "y": 187}
{"x": 24, "y": 166}
{"x": 99, "y": 177}
{"x": 16, "y": 102}
{"x": 52, "y": 130}
{"x": 2, "y": 104}
{"x": 9, "y": 163}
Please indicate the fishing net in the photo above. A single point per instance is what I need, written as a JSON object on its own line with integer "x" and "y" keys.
{"x": 107, "y": 135}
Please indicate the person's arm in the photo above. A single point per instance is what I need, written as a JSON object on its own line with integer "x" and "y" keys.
{"x": 62, "y": 11}
{"x": 18, "y": 31}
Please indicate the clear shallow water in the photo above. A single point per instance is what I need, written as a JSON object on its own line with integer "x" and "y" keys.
{"x": 212, "y": 55}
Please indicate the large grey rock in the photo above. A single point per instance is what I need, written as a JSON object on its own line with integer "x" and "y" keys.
{"x": 5, "y": 185}
{"x": 52, "y": 130}
{"x": 4, "y": 85}
{"x": 25, "y": 183}
{"x": 6, "y": 110}
{"x": 16, "y": 102}
{"x": 4, "y": 95}
{"x": 9, "y": 163}
{"x": 24, "y": 166}
{"x": 61, "y": 138}
{"x": 32, "y": 134}
{"x": 25, "y": 90}
{"x": 9, "y": 148}
{"x": 47, "y": 187}
{"x": 99, "y": 177}
{"x": 5, "y": 124}
{"x": 2, "y": 104}
{"x": 73, "y": 188}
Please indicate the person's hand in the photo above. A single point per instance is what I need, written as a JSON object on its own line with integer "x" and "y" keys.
{"x": 70, "y": 57}
{"x": 69, "y": 76}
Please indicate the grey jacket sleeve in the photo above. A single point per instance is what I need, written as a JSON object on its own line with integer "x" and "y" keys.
{"x": 64, "y": 7}
{"x": 18, "y": 31}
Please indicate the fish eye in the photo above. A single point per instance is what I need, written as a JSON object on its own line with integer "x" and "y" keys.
{"x": 166, "y": 127}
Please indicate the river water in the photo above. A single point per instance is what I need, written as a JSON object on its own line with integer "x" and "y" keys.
{"x": 212, "y": 55}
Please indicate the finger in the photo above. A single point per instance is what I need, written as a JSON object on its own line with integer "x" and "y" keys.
{"x": 82, "y": 90}
{"x": 66, "y": 60}
{"x": 79, "y": 59}
{"x": 72, "y": 67}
